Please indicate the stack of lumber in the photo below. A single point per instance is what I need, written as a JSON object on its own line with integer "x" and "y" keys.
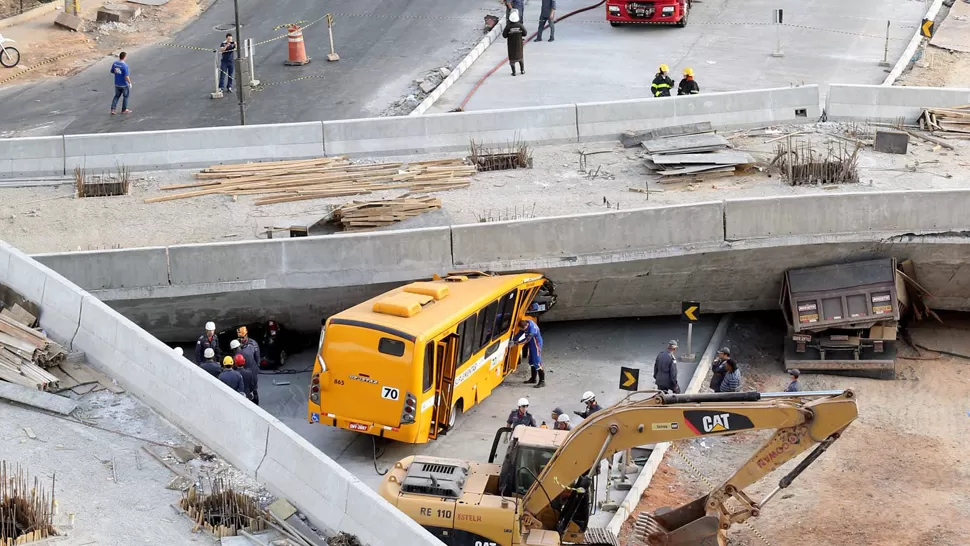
{"x": 951, "y": 122}
{"x": 358, "y": 215}
{"x": 25, "y": 353}
{"x": 286, "y": 181}
{"x": 701, "y": 155}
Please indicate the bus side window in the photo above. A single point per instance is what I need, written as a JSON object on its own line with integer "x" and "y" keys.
{"x": 468, "y": 340}
{"x": 503, "y": 318}
{"x": 428, "y": 379}
{"x": 486, "y": 323}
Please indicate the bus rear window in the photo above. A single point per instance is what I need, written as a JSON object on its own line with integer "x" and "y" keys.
{"x": 390, "y": 346}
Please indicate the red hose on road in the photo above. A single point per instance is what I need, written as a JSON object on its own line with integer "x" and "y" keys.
{"x": 461, "y": 108}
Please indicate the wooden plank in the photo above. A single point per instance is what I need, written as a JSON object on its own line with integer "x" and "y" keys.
{"x": 79, "y": 372}
{"x": 64, "y": 381}
{"x": 35, "y": 398}
{"x": 17, "y": 329}
{"x": 101, "y": 378}
{"x": 17, "y": 343}
{"x": 694, "y": 170}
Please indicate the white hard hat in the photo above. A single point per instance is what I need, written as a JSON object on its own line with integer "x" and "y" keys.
{"x": 210, "y": 326}
{"x": 562, "y": 418}
{"x": 514, "y": 16}
{"x": 523, "y": 401}
{"x": 178, "y": 351}
{"x": 587, "y": 396}
{"x": 209, "y": 353}
{"x": 234, "y": 344}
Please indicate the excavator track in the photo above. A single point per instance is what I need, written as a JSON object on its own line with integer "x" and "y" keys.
{"x": 597, "y": 536}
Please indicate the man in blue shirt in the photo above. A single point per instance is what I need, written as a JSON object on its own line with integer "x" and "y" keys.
{"x": 530, "y": 336}
{"x": 226, "y": 66}
{"x": 122, "y": 83}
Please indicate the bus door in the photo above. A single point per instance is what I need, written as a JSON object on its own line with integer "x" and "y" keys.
{"x": 446, "y": 361}
{"x": 526, "y": 295}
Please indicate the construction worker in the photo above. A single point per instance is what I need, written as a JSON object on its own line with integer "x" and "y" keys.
{"x": 732, "y": 379}
{"x": 515, "y": 34}
{"x": 521, "y": 415}
{"x": 794, "y": 386}
{"x": 178, "y": 351}
{"x": 718, "y": 369}
{"x": 562, "y": 423}
{"x": 591, "y": 406}
{"x": 665, "y": 369}
{"x": 662, "y": 83}
{"x": 210, "y": 365}
{"x": 530, "y": 336}
{"x": 249, "y": 380}
{"x": 687, "y": 85}
{"x": 208, "y": 340}
{"x": 232, "y": 378}
{"x": 249, "y": 349}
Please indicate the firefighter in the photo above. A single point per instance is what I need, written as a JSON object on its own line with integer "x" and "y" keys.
{"x": 249, "y": 381}
{"x": 562, "y": 423}
{"x": 208, "y": 340}
{"x": 687, "y": 85}
{"x": 591, "y": 406}
{"x": 249, "y": 349}
{"x": 210, "y": 365}
{"x": 662, "y": 83}
{"x": 521, "y": 415}
{"x": 515, "y": 33}
{"x": 530, "y": 336}
{"x": 232, "y": 378}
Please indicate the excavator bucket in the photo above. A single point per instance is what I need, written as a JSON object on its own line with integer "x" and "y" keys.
{"x": 688, "y": 525}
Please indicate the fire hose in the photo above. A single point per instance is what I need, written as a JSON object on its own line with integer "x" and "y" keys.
{"x": 478, "y": 84}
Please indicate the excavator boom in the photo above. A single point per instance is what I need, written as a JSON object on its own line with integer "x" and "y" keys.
{"x": 800, "y": 421}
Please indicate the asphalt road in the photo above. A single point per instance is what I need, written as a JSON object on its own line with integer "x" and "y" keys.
{"x": 383, "y": 46}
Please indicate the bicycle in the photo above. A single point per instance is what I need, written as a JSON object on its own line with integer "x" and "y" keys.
{"x": 9, "y": 55}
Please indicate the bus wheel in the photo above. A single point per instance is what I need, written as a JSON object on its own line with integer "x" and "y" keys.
{"x": 454, "y": 418}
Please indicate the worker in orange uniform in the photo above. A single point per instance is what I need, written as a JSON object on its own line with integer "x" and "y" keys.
{"x": 662, "y": 84}
{"x": 687, "y": 85}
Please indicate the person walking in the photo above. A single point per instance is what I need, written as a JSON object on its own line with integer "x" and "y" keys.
{"x": 249, "y": 380}
{"x": 794, "y": 386}
{"x": 513, "y": 6}
{"x": 521, "y": 415}
{"x": 661, "y": 82}
{"x": 226, "y": 63}
{"x": 122, "y": 83}
{"x": 665, "y": 369}
{"x": 687, "y": 85}
{"x": 718, "y": 369}
{"x": 210, "y": 364}
{"x": 208, "y": 340}
{"x": 547, "y": 15}
{"x": 530, "y": 336}
{"x": 515, "y": 34}
{"x": 591, "y": 406}
{"x": 232, "y": 378}
{"x": 732, "y": 379}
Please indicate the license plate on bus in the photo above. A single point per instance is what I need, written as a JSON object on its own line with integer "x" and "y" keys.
{"x": 358, "y": 426}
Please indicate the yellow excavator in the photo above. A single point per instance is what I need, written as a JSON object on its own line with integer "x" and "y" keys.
{"x": 541, "y": 493}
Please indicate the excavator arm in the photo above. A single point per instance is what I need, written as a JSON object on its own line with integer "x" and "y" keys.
{"x": 800, "y": 421}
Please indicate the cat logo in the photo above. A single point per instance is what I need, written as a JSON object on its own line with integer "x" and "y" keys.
{"x": 712, "y": 422}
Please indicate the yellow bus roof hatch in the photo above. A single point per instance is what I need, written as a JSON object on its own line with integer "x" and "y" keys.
{"x": 437, "y": 291}
{"x": 402, "y": 304}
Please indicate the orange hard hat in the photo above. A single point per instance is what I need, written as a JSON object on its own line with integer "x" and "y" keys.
{"x": 242, "y": 331}
{"x": 240, "y": 360}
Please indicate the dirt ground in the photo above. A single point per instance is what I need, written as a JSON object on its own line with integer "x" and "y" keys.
{"x": 39, "y": 40}
{"x": 898, "y": 477}
{"x": 50, "y": 219}
{"x": 939, "y": 68}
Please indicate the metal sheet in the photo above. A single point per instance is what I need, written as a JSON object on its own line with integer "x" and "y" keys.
{"x": 726, "y": 157}
{"x": 841, "y": 276}
{"x": 688, "y": 142}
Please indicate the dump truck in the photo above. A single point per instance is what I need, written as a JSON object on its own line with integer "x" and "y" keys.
{"x": 656, "y": 12}
{"x": 843, "y": 317}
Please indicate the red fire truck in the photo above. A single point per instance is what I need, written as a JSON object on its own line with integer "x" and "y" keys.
{"x": 655, "y": 12}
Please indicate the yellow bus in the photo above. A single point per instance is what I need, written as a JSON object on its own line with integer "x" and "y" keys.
{"x": 406, "y": 364}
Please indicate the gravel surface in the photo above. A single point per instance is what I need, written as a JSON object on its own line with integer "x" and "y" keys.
{"x": 51, "y": 219}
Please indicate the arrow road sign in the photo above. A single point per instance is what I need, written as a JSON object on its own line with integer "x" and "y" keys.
{"x": 629, "y": 378}
{"x": 926, "y": 29}
{"x": 689, "y": 311}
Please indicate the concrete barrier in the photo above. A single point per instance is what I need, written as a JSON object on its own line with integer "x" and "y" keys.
{"x": 450, "y": 132}
{"x": 888, "y": 104}
{"x": 892, "y": 212}
{"x": 32, "y": 156}
{"x": 606, "y": 120}
{"x": 111, "y": 269}
{"x": 186, "y": 148}
{"x": 242, "y": 433}
{"x": 568, "y": 238}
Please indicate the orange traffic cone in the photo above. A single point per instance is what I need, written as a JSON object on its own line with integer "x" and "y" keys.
{"x": 297, "y": 49}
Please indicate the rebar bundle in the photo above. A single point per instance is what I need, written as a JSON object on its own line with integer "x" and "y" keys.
{"x": 223, "y": 511}
{"x": 802, "y": 164}
{"x": 26, "y": 512}
{"x": 517, "y": 155}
